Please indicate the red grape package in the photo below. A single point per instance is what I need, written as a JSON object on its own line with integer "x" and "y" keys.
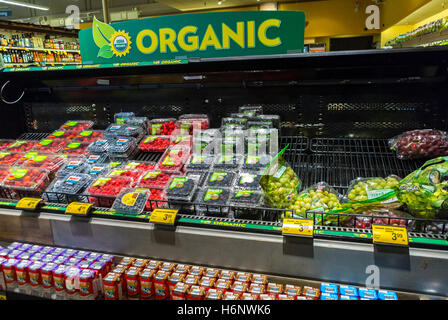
{"x": 27, "y": 179}
{"x": 50, "y": 145}
{"x": 418, "y": 144}
{"x": 76, "y": 125}
{"x": 21, "y": 146}
{"x": 155, "y": 143}
{"x": 89, "y": 136}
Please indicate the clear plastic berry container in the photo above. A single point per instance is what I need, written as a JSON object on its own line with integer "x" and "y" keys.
{"x": 76, "y": 148}
{"x": 50, "y": 145}
{"x": 251, "y": 110}
{"x": 201, "y": 118}
{"x": 181, "y": 188}
{"x": 132, "y": 131}
{"x": 70, "y": 184}
{"x": 27, "y": 179}
{"x": 272, "y": 119}
{"x": 122, "y": 147}
{"x": 26, "y": 156}
{"x": 97, "y": 158}
{"x": 139, "y": 165}
{"x": 157, "y": 199}
{"x": 51, "y": 162}
{"x": 248, "y": 179}
{"x": 97, "y": 170}
{"x": 156, "y": 143}
{"x": 99, "y": 146}
{"x": 76, "y": 125}
{"x": 63, "y": 134}
{"x": 228, "y": 162}
{"x": 103, "y": 190}
{"x": 89, "y": 136}
{"x": 256, "y": 162}
{"x": 142, "y": 122}
{"x": 131, "y": 173}
{"x": 204, "y": 145}
{"x": 221, "y": 179}
{"x": 246, "y": 197}
{"x": 234, "y": 121}
{"x": 214, "y": 201}
{"x": 73, "y": 167}
{"x": 114, "y": 130}
{"x": 256, "y": 146}
{"x": 174, "y": 159}
{"x": 131, "y": 201}
{"x": 123, "y": 117}
{"x": 256, "y": 124}
{"x": 189, "y": 126}
{"x": 231, "y": 145}
{"x": 181, "y": 141}
{"x": 4, "y": 143}
{"x": 161, "y": 126}
{"x": 200, "y": 162}
{"x": 21, "y": 146}
{"x": 198, "y": 176}
{"x": 154, "y": 179}
{"x": 10, "y": 158}
{"x": 242, "y": 115}
{"x": 4, "y": 171}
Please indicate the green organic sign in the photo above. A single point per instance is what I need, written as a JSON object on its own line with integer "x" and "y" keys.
{"x": 199, "y": 35}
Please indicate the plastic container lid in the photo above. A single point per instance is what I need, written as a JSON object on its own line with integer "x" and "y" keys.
{"x": 27, "y": 179}
{"x": 4, "y": 171}
{"x": 131, "y": 131}
{"x": 173, "y": 159}
{"x": 273, "y": 119}
{"x": 214, "y": 198}
{"x": 256, "y": 124}
{"x": 132, "y": 173}
{"x": 199, "y": 162}
{"x": 256, "y": 162}
{"x": 76, "y": 125}
{"x": 89, "y": 136}
{"x": 234, "y": 121}
{"x": 232, "y": 161}
{"x": 76, "y": 148}
{"x": 108, "y": 186}
{"x": 231, "y": 145}
{"x": 257, "y": 146}
{"x": 246, "y": 197}
{"x": 21, "y": 146}
{"x": 97, "y": 158}
{"x": 62, "y": 134}
{"x": 50, "y": 145}
{"x": 161, "y": 126}
{"x": 248, "y": 179}
{"x": 96, "y": 170}
{"x": 198, "y": 176}
{"x": 155, "y": 179}
{"x": 251, "y": 110}
{"x": 99, "y": 146}
{"x": 113, "y": 130}
{"x": 138, "y": 121}
{"x": 131, "y": 201}
{"x": 220, "y": 179}
{"x": 46, "y": 161}
{"x": 123, "y": 117}
{"x": 181, "y": 140}
{"x": 73, "y": 167}
{"x": 204, "y": 145}
{"x": 122, "y": 145}
{"x": 157, "y": 143}
{"x": 10, "y": 158}
{"x": 181, "y": 188}
{"x": 70, "y": 184}
{"x": 139, "y": 165}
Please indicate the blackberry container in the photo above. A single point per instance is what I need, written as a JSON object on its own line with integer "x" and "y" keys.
{"x": 228, "y": 162}
{"x": 255, "y": 162}
{"x": 213, "y": 201}
{"x": 181, "y": 188}
{"x": 199, "y": 162}
{"x": 220, "y": 179}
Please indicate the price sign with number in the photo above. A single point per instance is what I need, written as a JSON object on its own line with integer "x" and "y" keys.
{"x": 298, "y": 227}
{"x": 390, "y": 235}
{"x": 163, "y": 216}
{"x": 78, "y": 208}
{"x": 28, "y": 203}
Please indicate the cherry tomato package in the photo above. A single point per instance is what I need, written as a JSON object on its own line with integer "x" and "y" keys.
{"x": 50, "y": 145}
{"x": 157, "y": 143}
{"x": 419, "y": 144}
{"x": 76, "y": 125}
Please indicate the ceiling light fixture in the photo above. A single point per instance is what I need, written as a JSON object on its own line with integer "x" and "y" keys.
{"x": 25, "y": 4}
{"x": 219, "y": 3}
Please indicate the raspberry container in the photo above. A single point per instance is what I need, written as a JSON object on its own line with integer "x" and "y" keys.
{"x": 214, "y": 201}
{"x": 155, "y": 143}
{"x": 139, "y": 165}
{"x": 73, "y": 167}
{"x": 248, "y": 179}
{"x": 46, "y": 161}
{"x": 131, "y": 201}
{"x": 162, "y": 126}
{"x": 189, "y": 126}
{"x": 4, "y": 143}
{"x": 228, "y": 162}
{"x": 76, "y": 125}
{"x": 157, "y": 199}
{"x": 174, "y": 159}
{"x": 76, "y": 148}
{"x": 201, "y": 119}
{"x": 181, "y": 188}
{"x": 27, "y": 181}
{"x": 122, "y": 148}
{"x": 9, "y": 158}
{"x": 89, "y": 136}
{"x": 21, "y": 146}
{"x": 183, "y": 140}
{"x": 256, "y": 163}
{"x": 123, "y": 117}
{"x": 199, "y": 162}
{"x": 155, "y": 179}
{"x": 103, "y": 190}
{"x": 63, "y": 134}
{"x": 132, "y": 173}
{"x": 97, "y": 158}
{"x": 99, "y": 146}
{"x": 220, "y": 179}
{"x": 50, "y": 145}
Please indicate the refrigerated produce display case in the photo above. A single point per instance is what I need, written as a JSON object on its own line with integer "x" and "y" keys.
{"x": 337, "y": 113}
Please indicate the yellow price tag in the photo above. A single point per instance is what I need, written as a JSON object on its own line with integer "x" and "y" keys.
{"x": 390, "y": 235}
{"x": 79, "y": 208}
{"x": 164, "y": 216}
{"x": 2, "y": 297}
{"x": 28, "y": 203}
{"x": 298, "y": 227}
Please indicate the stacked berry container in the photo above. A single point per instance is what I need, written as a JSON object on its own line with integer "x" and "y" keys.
{"x": 157, "y": 143}
{"x": 161, "y": 126}
{"x": 103, "y": 191}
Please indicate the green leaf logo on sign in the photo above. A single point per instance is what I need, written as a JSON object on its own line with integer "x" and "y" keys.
{"x": 110, "y": 41}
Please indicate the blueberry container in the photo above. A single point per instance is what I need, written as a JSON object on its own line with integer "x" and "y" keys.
{"x": 99, "y": 146}
{"x": 199, "y": 162}
{"x": 220, "y": 179}
{"x": 213, "y": 201}
{"x": 181, "y": 188}
{"x": 131, "y": 201}
{"x": 228, "y": 162}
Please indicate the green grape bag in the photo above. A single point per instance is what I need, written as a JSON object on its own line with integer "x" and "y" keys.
{"x": 279, "y": 182}
{"x": 425, "y": 191}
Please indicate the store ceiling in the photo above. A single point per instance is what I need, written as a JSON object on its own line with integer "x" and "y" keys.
{"x": 426, "y": 11}
{"x": 187, "y": 5}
